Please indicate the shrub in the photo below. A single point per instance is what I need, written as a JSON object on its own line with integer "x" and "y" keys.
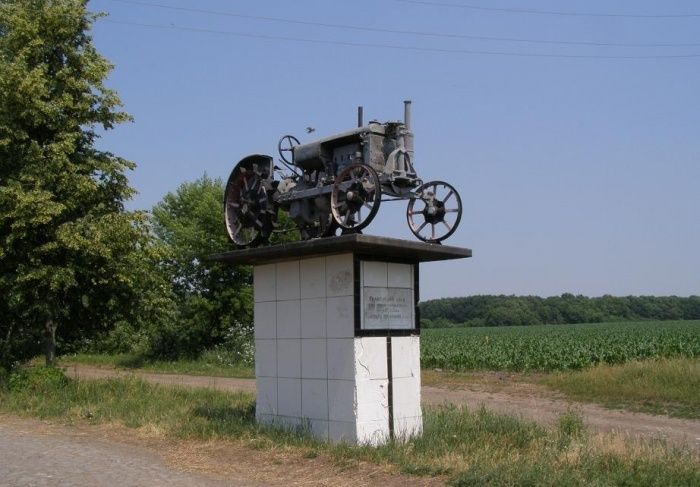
{"x": 37, "y": 378}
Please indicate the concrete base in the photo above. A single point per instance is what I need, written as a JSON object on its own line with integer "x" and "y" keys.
{"x": 337, "y": 335}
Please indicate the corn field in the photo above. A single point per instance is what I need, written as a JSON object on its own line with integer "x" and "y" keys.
{"x": 557, "y": 347}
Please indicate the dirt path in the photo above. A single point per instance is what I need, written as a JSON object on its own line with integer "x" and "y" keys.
{"x": 39, "y": 453}
{"x": 525, "y": 400}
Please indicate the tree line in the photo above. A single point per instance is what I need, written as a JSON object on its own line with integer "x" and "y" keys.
{"x": 534, "y": 310}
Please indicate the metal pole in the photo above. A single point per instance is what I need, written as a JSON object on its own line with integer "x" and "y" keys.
{"x": 359, "y": 117}
{"x": 407, "y": 114}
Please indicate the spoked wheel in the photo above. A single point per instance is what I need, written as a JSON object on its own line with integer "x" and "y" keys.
{"x": 287, "y": 144}
{"x": 249, "y": 208}
{"x": 435, "y": 212}
{"x": 355, "y": 197}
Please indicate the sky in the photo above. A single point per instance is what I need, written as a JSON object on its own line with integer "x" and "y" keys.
{"x": 575, "y": 150}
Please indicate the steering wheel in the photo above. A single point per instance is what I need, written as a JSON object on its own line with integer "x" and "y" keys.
{"x": 287, "y": 144}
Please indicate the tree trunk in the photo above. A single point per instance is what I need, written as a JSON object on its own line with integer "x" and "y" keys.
{"x": 4, "y": 360}
{"x": 50, "y": 342}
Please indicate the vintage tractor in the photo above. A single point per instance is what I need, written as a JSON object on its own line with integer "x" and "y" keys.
{"x": 337, "y": 184}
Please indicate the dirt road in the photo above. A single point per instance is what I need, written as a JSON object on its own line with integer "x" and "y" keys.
{"x": 35, "y": 454}
{"x": 525, "y": 400}
{"x": 38, "y": 453}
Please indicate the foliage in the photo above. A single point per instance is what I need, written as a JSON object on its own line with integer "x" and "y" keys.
{"x": 567, "y": 308}
{"x": 71, "y": 259}
{"x": 570, "y": 425}
{"x": 37, "y": 379}
{"x": 467, "y": 447}
{"x": 214, "y": 299}
{"x": 557, "y": 347}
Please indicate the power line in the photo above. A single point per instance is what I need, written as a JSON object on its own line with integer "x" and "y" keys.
{"x": 548, "y": 12}
{"x": 403, "y": 32}
{"x": 399, "y": 47}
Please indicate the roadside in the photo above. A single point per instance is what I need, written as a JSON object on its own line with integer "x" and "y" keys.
{"x": 526, "y": 400}
{"x": 38, "y": 453}
{"x": 208, "y": 431}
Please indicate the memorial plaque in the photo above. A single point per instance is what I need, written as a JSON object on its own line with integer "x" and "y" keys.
{"x": 387, "y": 308}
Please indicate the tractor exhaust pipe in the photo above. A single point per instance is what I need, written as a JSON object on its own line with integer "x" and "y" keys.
{"x": 359, "y": 117}
{"x": 407, "y": 114}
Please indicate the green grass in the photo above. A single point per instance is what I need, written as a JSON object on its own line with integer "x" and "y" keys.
{"x": 208, "y": 364}
{"x": 468, "y": 447}
{"x": 557, "y": 347}
{"x": 665, "y": 386}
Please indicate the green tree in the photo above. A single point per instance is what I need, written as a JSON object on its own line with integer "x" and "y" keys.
{"x": 67, "y": 247}
{"x": 214, "y": 300}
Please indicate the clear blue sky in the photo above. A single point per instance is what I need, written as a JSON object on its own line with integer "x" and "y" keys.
{"x": 577, "y": 174}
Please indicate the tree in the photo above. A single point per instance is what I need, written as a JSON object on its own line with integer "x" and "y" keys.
{"x": 67, "y": 247}
{"x": 214, "y": 300}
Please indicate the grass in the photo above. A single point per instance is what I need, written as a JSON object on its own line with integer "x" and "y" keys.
{"x": 208, "y": 364}
{"x": 468, "y": 447}
{"x": 665, "y": 386}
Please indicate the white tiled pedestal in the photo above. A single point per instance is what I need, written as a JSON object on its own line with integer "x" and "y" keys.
{"x": 337, "y": 347}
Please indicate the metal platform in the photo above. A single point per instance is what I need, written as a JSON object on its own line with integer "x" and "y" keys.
{"x": 380, "y": 247}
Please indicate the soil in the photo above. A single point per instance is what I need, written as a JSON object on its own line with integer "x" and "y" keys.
{"x": 498, "y": 392}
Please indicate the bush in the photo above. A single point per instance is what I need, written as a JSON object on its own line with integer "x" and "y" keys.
{"x": 37, "y": 379}
{"x": 570, "y": 425}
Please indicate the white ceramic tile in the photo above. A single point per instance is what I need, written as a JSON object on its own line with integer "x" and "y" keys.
{"x": 405, "y": 357}
{"x": 341, "y": 358}
{"x": 289, "y": 358}
{"x": 289, "y": 319}
{"x": 370, "y": 358}
{"x": 318, "y": 428}
{"x": 266, "y": 401}
{"x": 405, "y": 428}
{"x": 339, "y": 275}
{"x": 264, "y": 282}
{"x": 314, "y": 398}
{"x": 340, "y": 317}
{"x": 288, "y": 280}
{"x": 341, "y": 432}
{"x": 289, "y": 397}
{"x": 341, "y": 400}
{"x": 313, "y": 318}
{"x": 372, "y": 400}
{"x": 372, "y": 433}
{"x": 314, "y": 363}
{"x": 265, "y": 358}
{"x": 374, "y": 274}
{"x": 265, "y": 318}
{"x": 406, "y": 397}
{"x": 313, "y": 277}
{"x": 400, "y": 275}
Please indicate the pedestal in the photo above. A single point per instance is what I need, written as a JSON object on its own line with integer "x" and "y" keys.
{"x": 337, "y": 335}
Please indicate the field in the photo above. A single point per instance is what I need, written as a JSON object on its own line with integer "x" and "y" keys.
{"x": 557, "y": 347}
